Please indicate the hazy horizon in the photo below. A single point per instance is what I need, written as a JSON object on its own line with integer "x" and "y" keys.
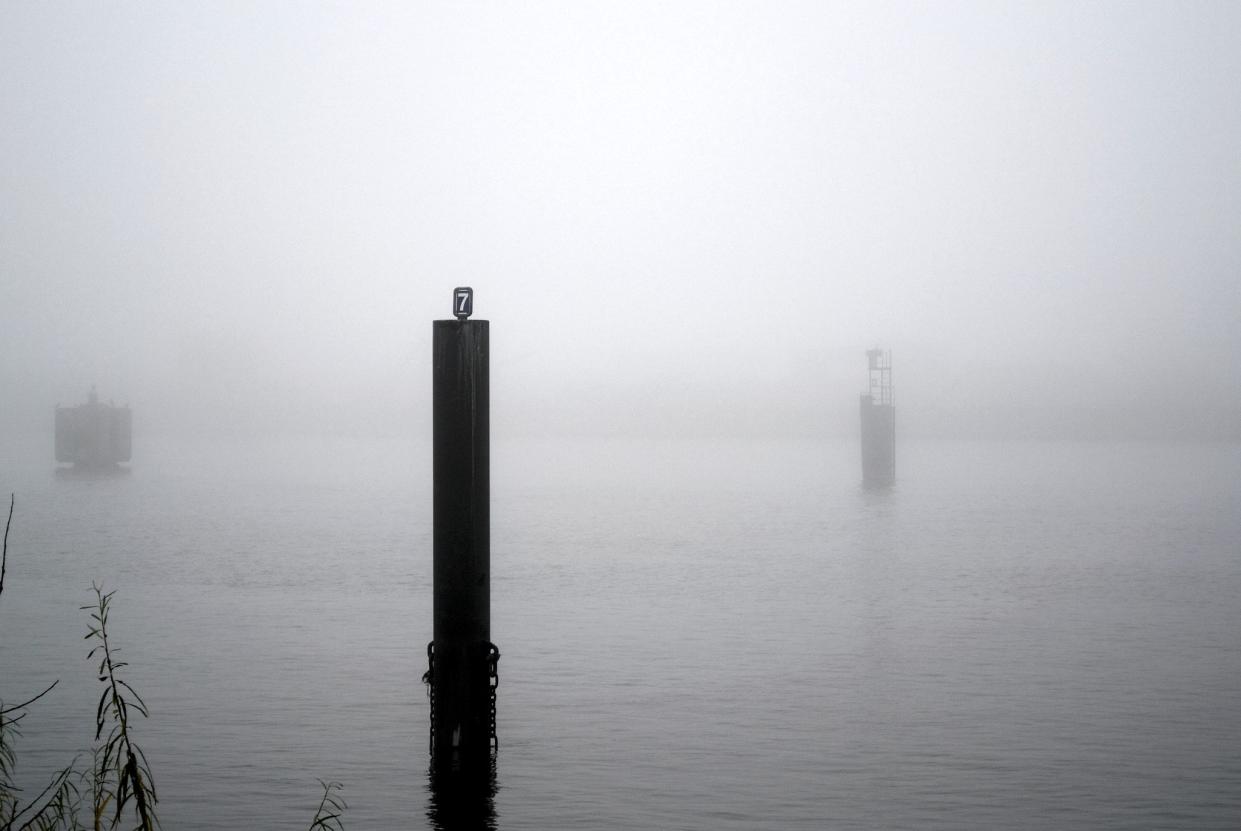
{"x": 681, "y": 219}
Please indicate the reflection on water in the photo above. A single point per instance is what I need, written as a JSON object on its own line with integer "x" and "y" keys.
{"x": 463, "y": 798}
{"x": 112, "y": 471}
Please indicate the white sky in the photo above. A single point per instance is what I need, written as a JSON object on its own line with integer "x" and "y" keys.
{"x": 679, "y": 217}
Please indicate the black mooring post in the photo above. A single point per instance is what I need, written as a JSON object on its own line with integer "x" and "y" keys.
{"x": 462, "y": 671}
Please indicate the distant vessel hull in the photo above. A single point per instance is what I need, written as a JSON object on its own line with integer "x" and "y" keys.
{"x": 93, "y": 435}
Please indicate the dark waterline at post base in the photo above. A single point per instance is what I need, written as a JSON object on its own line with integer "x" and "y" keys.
{"x": 464, "y": 799}
{"x": 462, "y": 660}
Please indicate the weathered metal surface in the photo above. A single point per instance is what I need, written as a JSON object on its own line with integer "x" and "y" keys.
{"x": 462, "y": 667}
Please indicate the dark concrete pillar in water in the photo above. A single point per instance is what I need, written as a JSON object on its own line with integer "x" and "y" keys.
{"x": 878, "y": 417}
{"x": 462, "y": 668}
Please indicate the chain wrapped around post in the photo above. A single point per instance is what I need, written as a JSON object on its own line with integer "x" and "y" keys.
{"x": 428, "y": 678}
{"x": 493, "y": 678}
{"x": 493, "y": 675}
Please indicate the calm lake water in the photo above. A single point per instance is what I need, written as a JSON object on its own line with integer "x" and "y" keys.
{"x": 695, "y": 634}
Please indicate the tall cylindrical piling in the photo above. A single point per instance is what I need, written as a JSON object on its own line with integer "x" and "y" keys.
{"x": 462, "y": 658}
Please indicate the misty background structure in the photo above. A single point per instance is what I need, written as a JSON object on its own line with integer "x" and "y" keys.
{"x": 877, "y": 411}
{"x": 228, "y": 217}
{"x": 94, "y": 435}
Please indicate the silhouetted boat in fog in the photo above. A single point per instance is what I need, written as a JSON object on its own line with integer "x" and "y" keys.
{"x": 93, "y": 436}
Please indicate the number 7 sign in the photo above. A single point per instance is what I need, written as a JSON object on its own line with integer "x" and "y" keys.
{"x": 463, "y": 302}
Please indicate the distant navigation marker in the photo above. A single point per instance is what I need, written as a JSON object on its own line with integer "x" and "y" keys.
{"x": 878, "y": 408}
{"x": 463, "y": 302}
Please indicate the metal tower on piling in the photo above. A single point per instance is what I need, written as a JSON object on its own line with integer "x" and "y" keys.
{"x": 878, "y": 411}
{"x": 462, "y": 660}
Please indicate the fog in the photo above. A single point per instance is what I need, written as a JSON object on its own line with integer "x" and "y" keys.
{"x": 680, "y": 218}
